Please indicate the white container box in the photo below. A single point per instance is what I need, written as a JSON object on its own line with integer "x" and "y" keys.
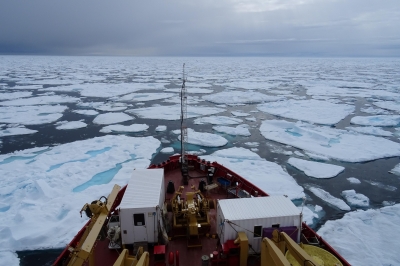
{"x": 140, "y": 208}
{"x": 251, "y": 215}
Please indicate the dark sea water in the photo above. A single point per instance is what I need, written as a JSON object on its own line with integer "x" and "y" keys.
{"x": 287, "y": 72}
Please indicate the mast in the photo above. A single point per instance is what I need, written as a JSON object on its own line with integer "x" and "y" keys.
{"x": 184, "y": 135}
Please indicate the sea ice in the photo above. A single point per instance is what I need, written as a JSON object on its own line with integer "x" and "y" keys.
{"x": 389, "y": 105}
{"x": 314, "y": 111}
{"x": 161, "y": 128}
{"x": 396, "y": 170}
{"x": 374, "y": 111}
{"x": 14, "y": 95}
{"x": 111, "y": 118}
{"x": 376, "y": 131}
{"x": 122, "y": 128}
{"x": 355, "y": 199}
{"x": 240, "y": 114}
{"x": 381, "y": 185}
{"x": 204, "y": 139}
{"x": 40, "y": 100}
{"x": 19, "y": 130}
{"x": 239, "y": 97}
{"x": 366, "y": 237}
{"x": 86, "y": 112}
{"x": 144, "y": 97}
{"x": 334, "y": 143}
{"x": 191, "y": 90}
{"x": 311, "y": 213}
{"x": 167, "y": 150}
{"x": 70, "y": 125}
{"x": 376, "y": 120}
{"x": 316, "y": 169}
{"x": 328, "y": 198}
{"x": 251, "y": 119}
{"x": 173, "y": 112}
{"x": 252, "y": 167}
{"x": 354, "y": 180}
{"x": 38, "y": 185}
{"x": 240, "y": 130}
{"x": 9, "y": 258}
{"x": 31, "y": 115}
{"x": 217, "y": 120}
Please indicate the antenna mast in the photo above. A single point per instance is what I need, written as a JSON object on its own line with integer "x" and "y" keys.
{"x": 184, "y": 135}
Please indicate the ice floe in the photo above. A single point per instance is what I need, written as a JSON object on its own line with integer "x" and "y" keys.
{"x": 239, "y": 97}
{"x": 396, "y": 170}
{"x": 144, "y": 97}
{"x": 328, "y": 198}
{"x": 381, "y": 185}
{"x": 240, "y": 114}
{"x": 86, "y": 112}
{"x": 355, "y": 199}
{"x": 354, "y": 180}
{"x": 314, "y": 111}
{"x": 31, "y": 115}
{"x": 316, "y": 169}
{"x": 63, "y": 125}
{"x": 252, "y": 167}
{"x": 333, "y": 143}
{"x": 376, "y": 131}
{"x": 173, "y": 112}
{"x": 389, "y": 105}
{"x": 45, "y": 188}
{"x": 376, "y": 120}
{"x": 204, "y": 139}
{"x": 218, "y": 120}
{"x": 14, "y": 95}
{"x": 121, "y": 128}
{"x": 167, "y": 150}
{"x": 111, "y": 118}
{"x": 161, "y": 128}
{"x": 366, "y": 237}
{"x": 40, "y": 100}
{"x": 17, "y": 130}
{"x": 240, "y": 130}
{"x": 311, "y": 214}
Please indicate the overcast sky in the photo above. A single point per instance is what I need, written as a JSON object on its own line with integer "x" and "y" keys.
{"x": 201, "y": 28}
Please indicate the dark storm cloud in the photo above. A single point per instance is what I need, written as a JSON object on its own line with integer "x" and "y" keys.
{"x": 225, "y": 27}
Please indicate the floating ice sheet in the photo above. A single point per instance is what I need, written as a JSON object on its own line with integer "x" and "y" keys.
{"x": 63, "y": 125}
{"x": 252, "y": 167}
{"x": 239, "y": 97}
{"x": 31, "y": 115}
{"x": 316, "y": 169}
{"x": 111, "y": 118}
{"x": 173, "y": 112}
{"x": 355, "y": 199}
{"x": 333, "y": 143}
{"x": 44, "y": 210}
{"x": 240, "y": 130}
{"x": 205, "y": 139}
{"x": 376, "y": 131}
{"x": 328, "y": 198}
{"x": 40, "y": 100}
{"x": 12, "y": 131}
{"x": 376, "y": 120}
{"x": 366, "y": 237}
{"x": 14, "y": 95}
{"x": 122, "y": 128}
{"x": 314, "y": 111}
{"x": 218, "y": 120}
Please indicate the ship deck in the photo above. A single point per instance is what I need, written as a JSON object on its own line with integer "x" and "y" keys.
{"x": 190, "y": 252}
